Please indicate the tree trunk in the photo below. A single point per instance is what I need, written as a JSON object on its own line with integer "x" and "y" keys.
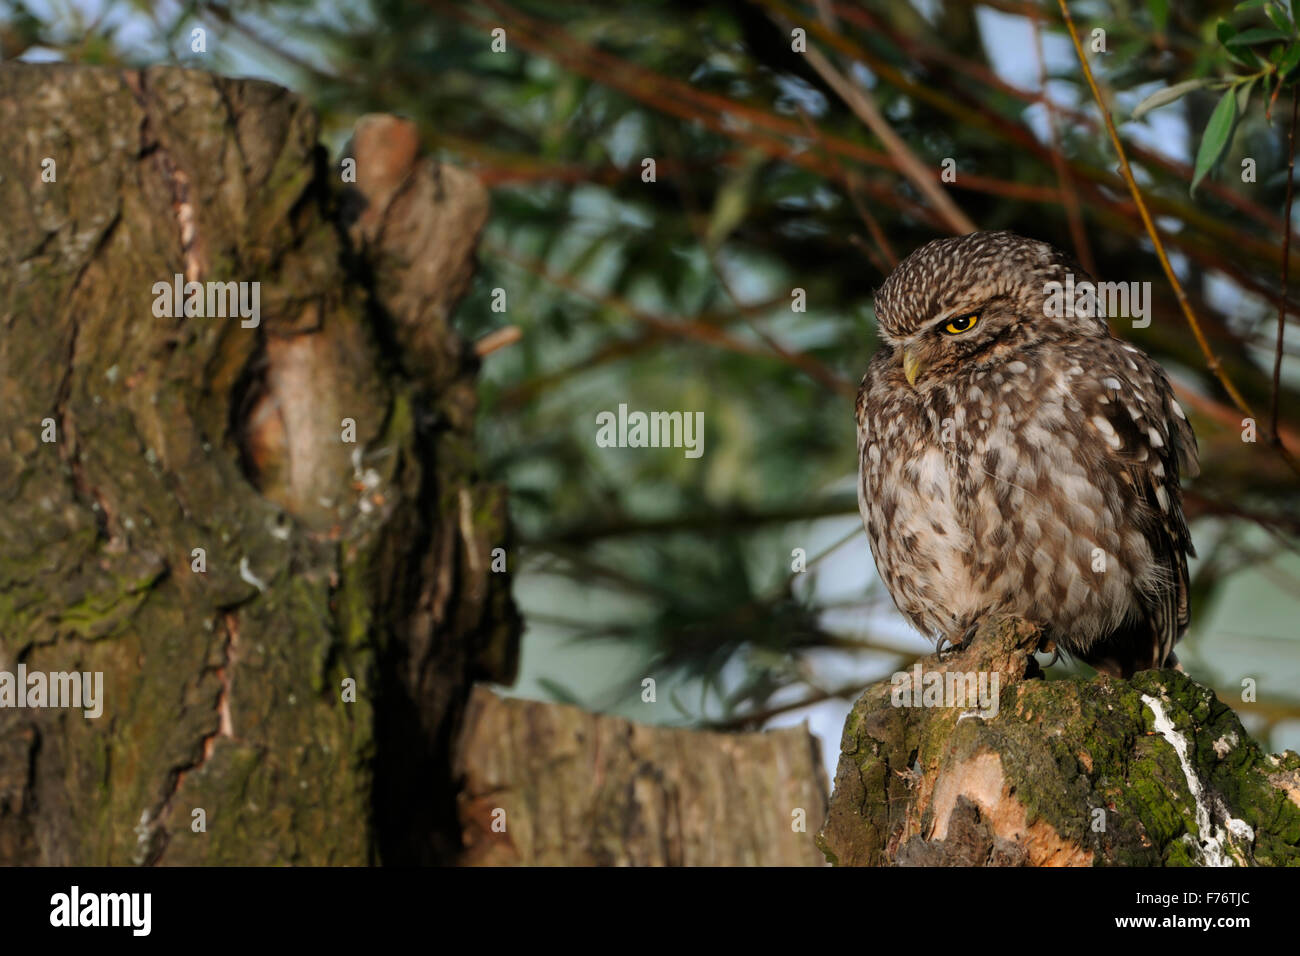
{"x": 264, "y": 528}
{"x": 1151, "y": 771}
{"x": 236, "y": 520}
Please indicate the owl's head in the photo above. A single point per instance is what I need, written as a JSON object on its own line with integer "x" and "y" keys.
{"x": 969, "y": 298}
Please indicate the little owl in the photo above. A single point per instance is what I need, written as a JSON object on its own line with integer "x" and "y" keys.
{"x": 1017, "y": 460}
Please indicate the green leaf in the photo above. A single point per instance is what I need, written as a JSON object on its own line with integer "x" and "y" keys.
{"x": 1168, "y": 95}
{"x": 1279, "y": 17}
{"x": 1289, "y": 60}
{"x": 1249, "y": 5}
{"x": 1255, "y": 35}
{"x": 1226, "y": 33}
{"x": 734, "y": 199}
{"x": 1243, "y": 95}
{"x": 1159, "y": 10}
{"x": 1215, "y": 139}
{"x": 1244, "y": 56}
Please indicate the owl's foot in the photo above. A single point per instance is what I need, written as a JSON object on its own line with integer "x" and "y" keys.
{"x": 955, "y": 646}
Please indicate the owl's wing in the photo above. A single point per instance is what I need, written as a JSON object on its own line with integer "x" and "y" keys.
{"x": 880, "y": 398}
{"x": 1130, "y": 404}
{"x": 879, "y": 410}
{"x": 873, "y": 393}
{"x": 866, "y": 474}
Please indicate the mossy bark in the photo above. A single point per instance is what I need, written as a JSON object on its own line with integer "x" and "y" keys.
{"x": 328, "y": 560}
{"x": 1066, "y": 772}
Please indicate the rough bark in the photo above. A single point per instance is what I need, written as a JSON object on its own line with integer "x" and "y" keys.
{"x": 551, "y": 784}
{"x": 1066, "y": 773}
{"x": 326, "y": 560}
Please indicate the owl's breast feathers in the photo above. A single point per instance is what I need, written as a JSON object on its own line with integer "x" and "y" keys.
{"x": 1045, "y": 484}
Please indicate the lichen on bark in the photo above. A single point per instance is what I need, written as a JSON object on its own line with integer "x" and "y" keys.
{"x": 1067, "y": 772}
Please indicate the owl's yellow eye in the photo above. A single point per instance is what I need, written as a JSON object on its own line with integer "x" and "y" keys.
{"x": 964, "y": 324}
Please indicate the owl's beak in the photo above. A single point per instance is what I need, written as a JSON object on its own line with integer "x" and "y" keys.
{"x": 913, "y": 366}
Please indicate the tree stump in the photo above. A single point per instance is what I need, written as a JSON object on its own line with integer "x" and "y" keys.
{"x": 1146, "y": 772}
{"x": 545, "y": 784}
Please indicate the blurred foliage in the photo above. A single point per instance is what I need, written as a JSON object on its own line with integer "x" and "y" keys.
{"x": 676, "y": 294}
{"x": 1265, "y": 55}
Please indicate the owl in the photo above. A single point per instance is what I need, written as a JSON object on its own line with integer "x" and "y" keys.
{"x": 1015, "y": 457}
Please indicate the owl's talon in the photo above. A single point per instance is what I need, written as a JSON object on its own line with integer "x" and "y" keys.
{"x": 946, "y": 646}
